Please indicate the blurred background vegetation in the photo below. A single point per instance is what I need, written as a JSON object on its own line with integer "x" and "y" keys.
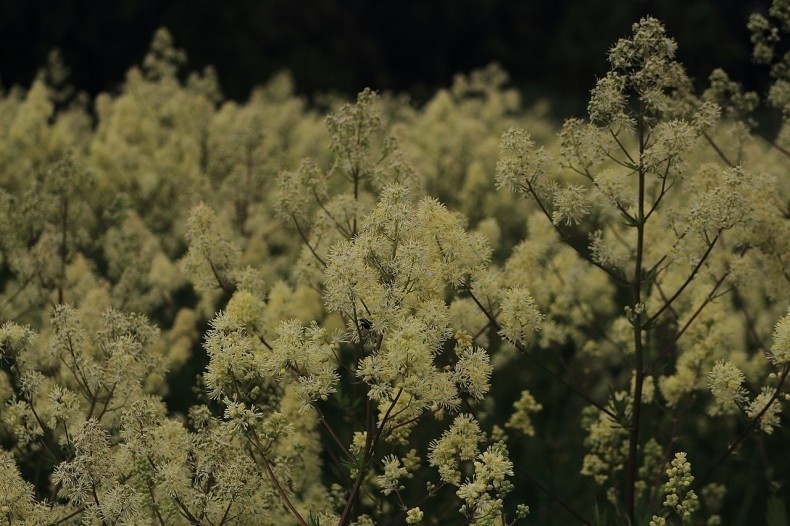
{"x": 152, "y": 126}
{"x": 552, "y": 50}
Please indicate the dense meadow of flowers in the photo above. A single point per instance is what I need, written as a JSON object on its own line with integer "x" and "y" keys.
{"x": 365, "y": 313}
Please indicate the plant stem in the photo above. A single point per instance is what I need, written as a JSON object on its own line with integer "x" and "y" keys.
{"x": 306, "y": 242}
{"x": 633, "y": 438}
{"x": 539, "y": 363}
{"x": 273, "y": 477}
{"x": 64, "y": 247}
{"x": 552, "y": 496}
{"x": 370, "y": 446}
{"x": 752, "y": 423}
{"x": 718, "y": 151}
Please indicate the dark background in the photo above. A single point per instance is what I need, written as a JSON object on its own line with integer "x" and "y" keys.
{"x": 550, "y": 48}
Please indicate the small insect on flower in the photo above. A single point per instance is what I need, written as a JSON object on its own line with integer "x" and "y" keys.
{"x": 365, "y": 333}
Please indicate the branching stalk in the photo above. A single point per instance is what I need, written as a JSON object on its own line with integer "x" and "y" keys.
{"x": 540, "y": 364}
{"x": 752, "y": 424}
{"x": 639, "y": 376}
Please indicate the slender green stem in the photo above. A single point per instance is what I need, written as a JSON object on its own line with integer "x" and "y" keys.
{"x": 636, "y": 287}
{"x": 306, "y": 242}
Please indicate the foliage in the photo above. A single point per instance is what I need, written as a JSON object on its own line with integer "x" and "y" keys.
{"x": 381, "y": 335}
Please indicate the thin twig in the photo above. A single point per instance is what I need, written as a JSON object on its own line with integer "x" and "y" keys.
{"x": 340, "y": 227}
{"x": 770, "y": 141}
{"x": 155, "y": 505}
{"x": 552, "y": 496}
{"x": 370, "y": 446}
{"x": 68, "y": 517}
{"x": 664, "y": 190}
{"x": 227, "y": 510}
{"x": 221, "y": 282}
{"x": 718, "y": 150}
{"x": 623, "y": 148}
{"x": 668, "y": 348}
{"x": 306, "y": 242}
{"x": 184, "y": 511}
{"x": 275, "y": 481}
{"x": 540, "y": 364}
{"x": 619, "y": 279}
{"x": 685, "y": 284}
{"x": 752, "y": 423}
